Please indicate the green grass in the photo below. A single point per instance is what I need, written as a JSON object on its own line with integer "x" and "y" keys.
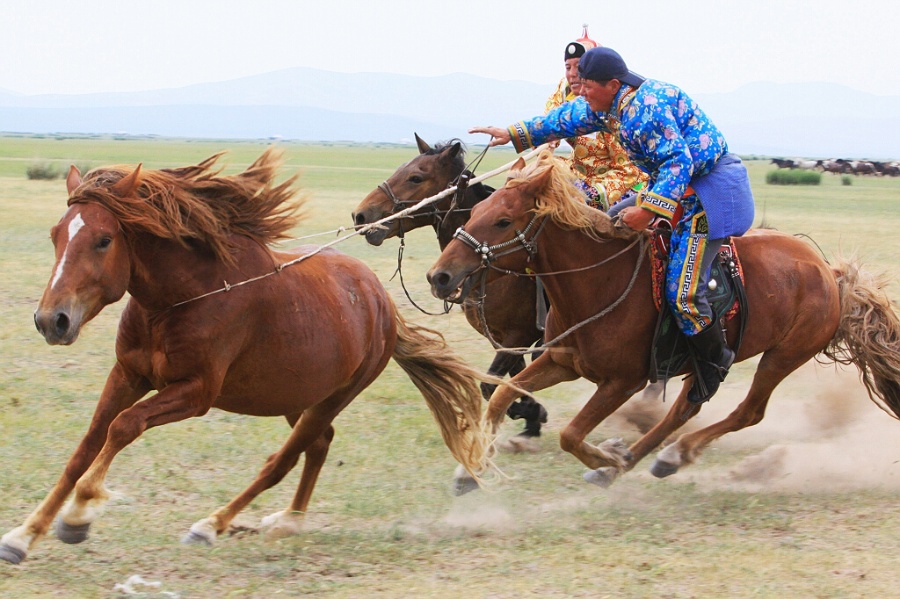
{"x": 381, "y": 521}
{"x": 791, "y": 177}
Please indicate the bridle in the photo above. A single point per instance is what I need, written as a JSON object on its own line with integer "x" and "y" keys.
{"x": 438, "y": 216}
{"x": 488, "y": 253}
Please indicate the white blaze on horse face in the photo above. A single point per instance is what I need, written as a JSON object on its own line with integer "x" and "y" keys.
{"x": 75, "y": 226}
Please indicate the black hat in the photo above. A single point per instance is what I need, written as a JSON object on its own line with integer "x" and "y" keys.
{"x": 603, "y": 64}
{"x": 577, "y": 48}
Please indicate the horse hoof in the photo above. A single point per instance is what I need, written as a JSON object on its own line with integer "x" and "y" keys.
{"x": 461, "y": 486}
{"x": 661, "y": 469}
{"x": 11, "y": 555}
{"x": 195, "y": 538}
{"x": 72, "y": 534}
{"x": 602, "y": 477}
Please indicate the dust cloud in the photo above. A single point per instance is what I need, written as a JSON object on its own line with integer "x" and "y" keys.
{"x": 821, "y": 433}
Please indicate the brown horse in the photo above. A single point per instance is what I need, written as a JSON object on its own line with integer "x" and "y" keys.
{"x": 300, "y": 340}
{"x": 598, "y": 278}
{"x": 509, "y": 305}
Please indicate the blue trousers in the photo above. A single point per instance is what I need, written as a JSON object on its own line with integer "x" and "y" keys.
{"x": 691, "y": 253}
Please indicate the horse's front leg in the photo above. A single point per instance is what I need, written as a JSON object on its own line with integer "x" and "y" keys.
{"x": 611, "y": 457}
{"x": 175, "y": 402}
{"x": 540, "y": 374}
{"x": 120, "y": 392}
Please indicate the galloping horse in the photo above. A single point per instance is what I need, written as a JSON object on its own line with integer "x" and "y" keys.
{"x": 509, "y": 305}
{"x": 301, "y": 343}
{"x": 598, "y": 278}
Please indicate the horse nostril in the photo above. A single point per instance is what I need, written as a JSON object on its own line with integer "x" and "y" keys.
{"x": 62, "y": 323}
{"x": 440, "y": 279}
{"x": 359, "y": 219}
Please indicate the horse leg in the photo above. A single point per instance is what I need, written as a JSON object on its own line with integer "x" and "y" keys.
{"x": 119, "y": 393}
{"x": 680, "y": 412}
{"x": 526, "y": 407}
{"x": 311, "y": 434}
{"x": 172, "y": 404}
{"x": 611, "y": 453}
{"x": 504, "y": 363}
{"x": 774, "y": 366}
{"x": 540, "y": 374}
{"x": 287, "y": 523}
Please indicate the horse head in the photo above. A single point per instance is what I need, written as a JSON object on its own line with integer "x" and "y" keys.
{"x": 424, "y": 176}
{"x": 93, "y": 262}
{"x": 501, "y": 234}
{"x": 491, "y": 237}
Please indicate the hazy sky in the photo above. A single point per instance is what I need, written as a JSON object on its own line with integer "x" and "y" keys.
{"x": 60, "y": 46}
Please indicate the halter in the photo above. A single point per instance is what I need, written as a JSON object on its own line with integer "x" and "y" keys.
{"x": 487, "y": 252}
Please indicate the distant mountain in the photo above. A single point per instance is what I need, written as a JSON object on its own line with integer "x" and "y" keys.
{"x": 813, "y": 120}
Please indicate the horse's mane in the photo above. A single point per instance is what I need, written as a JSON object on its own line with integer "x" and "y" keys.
{"x": 562, "y": 201}
{"x": 198, "y": 203}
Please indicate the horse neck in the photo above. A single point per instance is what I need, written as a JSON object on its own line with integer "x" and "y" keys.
{"x": 608, "y": 267}
{"x": 165, "y": 273}
{"x": 457, "y": 217}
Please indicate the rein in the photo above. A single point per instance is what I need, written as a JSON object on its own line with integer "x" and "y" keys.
{"x": 487, "y": 254}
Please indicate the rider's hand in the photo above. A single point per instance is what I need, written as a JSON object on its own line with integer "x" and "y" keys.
{"x": 636, "y": 218}
{"x": 500, "y": 136}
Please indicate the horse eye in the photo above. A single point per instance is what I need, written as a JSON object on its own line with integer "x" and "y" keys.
{"x": 503, "y": 223}
{"x": 104, "y": 243}
{"x": 416, "y": 179}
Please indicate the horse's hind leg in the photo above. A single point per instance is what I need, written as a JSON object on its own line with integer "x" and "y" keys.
{"x": 287, "y": 522}
{"x": 311, "y": 434}
{"x": 774, "y": 366}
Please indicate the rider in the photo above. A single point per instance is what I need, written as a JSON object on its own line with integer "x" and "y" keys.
{"x": 667, "y": 135}
{"x": 602, "y": 166}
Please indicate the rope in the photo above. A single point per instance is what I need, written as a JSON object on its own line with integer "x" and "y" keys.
{"x": 364, "y": 228}
{"x": 521, "y": 351}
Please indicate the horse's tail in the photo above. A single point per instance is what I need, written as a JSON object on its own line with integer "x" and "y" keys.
{"x": 868, "y": 334}
{"x": 450, "y": 387}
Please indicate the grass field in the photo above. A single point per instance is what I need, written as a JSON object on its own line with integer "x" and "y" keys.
{"x": 803, "y": 505}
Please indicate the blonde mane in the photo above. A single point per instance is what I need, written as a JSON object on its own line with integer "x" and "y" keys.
{"x": 562, "y": 201}
{"x": 197, "y": 202}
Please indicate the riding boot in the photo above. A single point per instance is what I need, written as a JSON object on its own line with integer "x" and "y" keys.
{"x": 713, "y": 357}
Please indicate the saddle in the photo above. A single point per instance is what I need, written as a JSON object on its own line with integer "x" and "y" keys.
{"x": 671, "y": 351}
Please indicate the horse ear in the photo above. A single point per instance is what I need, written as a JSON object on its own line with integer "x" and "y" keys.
{"x": 517, "y": 166}
{"x": 423, "y": 146}
{"x": 73, "y": 179}
{"x": 451, "y": 152}
{"x": 537, "y": 182}
{"x": 126, "y": 185}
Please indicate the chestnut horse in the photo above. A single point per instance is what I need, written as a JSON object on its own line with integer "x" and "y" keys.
{"x": 599, "y": 282}
{"x": 509, "y": 306}
{"x": 305, "y": 336}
